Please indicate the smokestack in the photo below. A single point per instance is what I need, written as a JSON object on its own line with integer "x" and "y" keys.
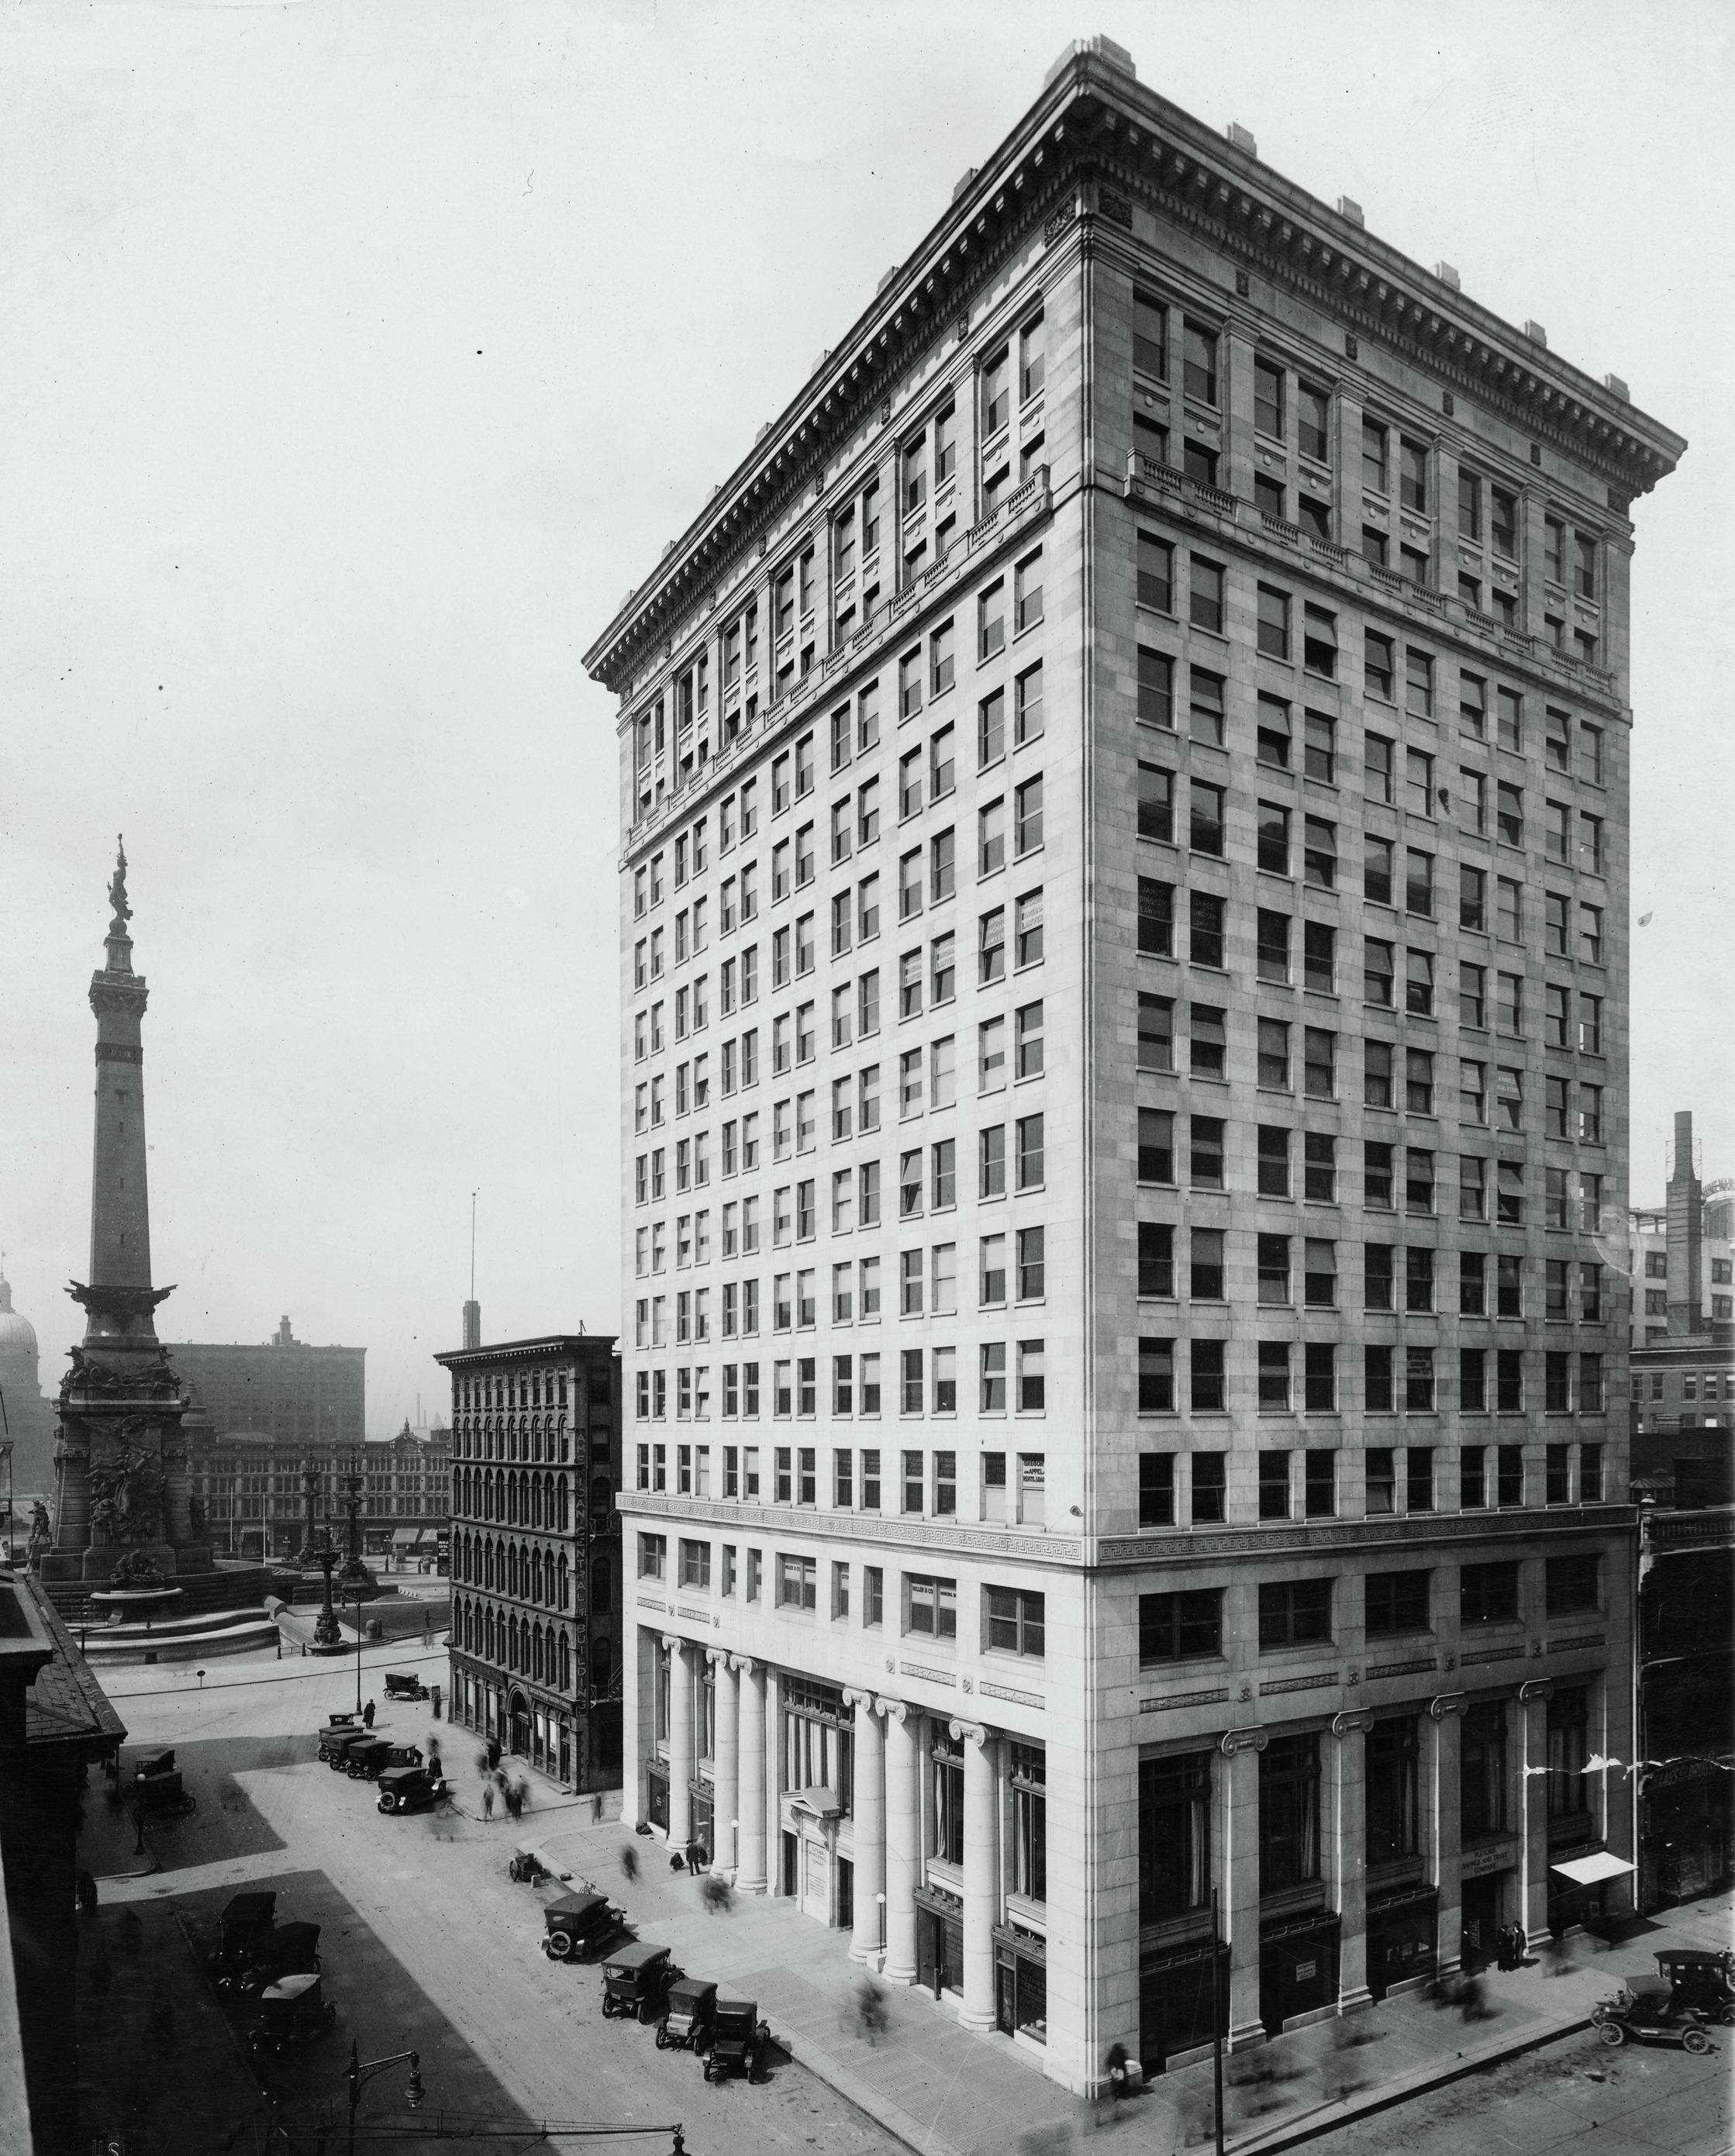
{"x": 472, "y": 1323}
{"x": 1686, "y": 1218}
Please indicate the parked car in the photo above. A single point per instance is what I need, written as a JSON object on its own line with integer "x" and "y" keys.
{"x": 406, "y": 1788}
{"x": 291, "y": 2012}
{"x": 246, "y": 1919}
{"x": 405, "y": 1684}
{"x": 1703, "y": 1982}
{"x": 284, "y": 1950}
{"x": 337, "y": 1726}
{"x": 688, "y": 2015}
{"x": 366, "y": 1761}
{"x": 157, "y": 1783}
{"x": 1653, "y": 2017}
{"x": 636, "y": 1980}
{"x": 577, "y": 1924}
{"x": 335, "y": 1745}
{"x": 739, "y": 2040}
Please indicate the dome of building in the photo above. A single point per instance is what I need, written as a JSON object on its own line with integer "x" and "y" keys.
{"x": 17, "y": 1335}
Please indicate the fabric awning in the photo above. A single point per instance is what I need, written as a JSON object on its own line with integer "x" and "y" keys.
{"x": 1587, "y": 1870}
{"x": 819, "y": 1802}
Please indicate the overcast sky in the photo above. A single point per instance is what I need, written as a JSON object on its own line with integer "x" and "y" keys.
{"x": 357, "y": 359}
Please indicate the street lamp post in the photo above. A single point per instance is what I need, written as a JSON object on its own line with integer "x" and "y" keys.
{"x": 358, "y": 1653}
{"x": 358, "y": 2073}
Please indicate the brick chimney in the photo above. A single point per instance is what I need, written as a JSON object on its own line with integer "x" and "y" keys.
{"x": 1686, "y": 1212}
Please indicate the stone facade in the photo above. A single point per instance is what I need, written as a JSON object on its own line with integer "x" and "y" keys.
{"x": 1123, "y": 947}
{"x": 535, "y": 1638}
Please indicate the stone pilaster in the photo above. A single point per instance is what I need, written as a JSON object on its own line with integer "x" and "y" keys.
{"x": 726, "y": 1786}
{"x": 750, "y": 1846}
{"x": 1442, "y": 1794}
{"x": 982, "y": 1870}
{"x": 903, "y": 1847}
{"x": 1345, "y": 1840}
{"x": 870, "y": 1828}
{"x": 680, "y": 1741}
{"x": 1533, "y": 1801}
{"x": 1236, "y": 1797}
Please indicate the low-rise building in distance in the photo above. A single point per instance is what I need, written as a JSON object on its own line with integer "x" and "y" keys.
{"x": 535, "y": 1637}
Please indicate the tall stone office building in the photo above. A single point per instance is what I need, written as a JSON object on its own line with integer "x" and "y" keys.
{"x": 1123, "y": 960}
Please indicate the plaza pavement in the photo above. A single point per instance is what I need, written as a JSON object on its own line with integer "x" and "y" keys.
{"x": 434, "y": 1890}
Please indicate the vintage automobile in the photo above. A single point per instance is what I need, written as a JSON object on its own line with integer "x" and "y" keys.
{"x": 635, "y": 1979}
{"x": 336, "y": 1726}
{"x": 404, "y": 1788}
{"x": 739, "y": 2041}
{"x": 1703, "y": 1982}
{"x": 157, "y": 1783}
{"x": 286, "y": 1950}
{"x": 577, "y": 1924}
{"x": 1650, "y": 2017}
{"x": 246, "y": 1919}
{"x": 688, "y": 2013}
{"x": 334, "y": 1745}
{"x": 366, "y": 1761}
{"x": 525, "y": 1865}
{"x": 292, "y": 2011}
{"x": 405, "y": 1684}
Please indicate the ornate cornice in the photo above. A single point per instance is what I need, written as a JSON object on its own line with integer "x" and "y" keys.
{"x": 1093, "y": 123}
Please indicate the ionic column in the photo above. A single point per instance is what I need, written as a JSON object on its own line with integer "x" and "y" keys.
{"x": 1346, "y": 1804}
{"x": 680, "y": 1743}
{"x": 725, "y": 1786}
{"x": 870, "y": 1827}
{"x": 750, "y": 1843}
{"x": 1237, "y": 1798}
{"x": 1442, "y": 1822}
{"x": 903, "y": 1853}
{"x": 982, "y": 1870}
{"x": 1533, "y": 1802}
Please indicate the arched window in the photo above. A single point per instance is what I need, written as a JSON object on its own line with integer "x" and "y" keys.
{"x": 566, "y": 1508}
{"x": 535, "y": 1562}
{"x": 536, "y": 1642}
{"x": 566, "y": 1663}
{"x": 602, "y": 1495}
{"x": 564, "y": 1442}
{"x": 565, "y": 1581}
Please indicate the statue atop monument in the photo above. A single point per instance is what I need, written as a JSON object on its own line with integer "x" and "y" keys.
{"x": 117, "y": 891}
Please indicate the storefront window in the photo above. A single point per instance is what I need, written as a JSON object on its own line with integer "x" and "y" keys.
{"x": 1174, "y": 1836}
{"x": 1289, "y": 1812}
{"x": 1482, "y": 1782}
{"x": 1021, "y": 1987}
{"x": 1391, "y": 1783}
{"x": 819, "y": 1740}
{"x": 1030, "y": 1822}
{"x": 1569, "y": 1731}
{"x": 947, "y": 1809}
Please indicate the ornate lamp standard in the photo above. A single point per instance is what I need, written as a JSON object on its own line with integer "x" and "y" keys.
{"x": 327, "y": 1639}
{"x": 355, "y": 1573}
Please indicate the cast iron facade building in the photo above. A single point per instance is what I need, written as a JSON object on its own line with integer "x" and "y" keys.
{"x": 1123, "y": 948}
{"x": 252, "y": 1489}
{"x": 536, "y": 1569}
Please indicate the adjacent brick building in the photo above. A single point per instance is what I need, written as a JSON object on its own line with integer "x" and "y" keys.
{"x": 1124, "y": 958}
{"x": 535, "y": 1572}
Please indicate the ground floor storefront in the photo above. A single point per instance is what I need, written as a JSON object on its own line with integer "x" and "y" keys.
{"x": 1281, "y": 1872}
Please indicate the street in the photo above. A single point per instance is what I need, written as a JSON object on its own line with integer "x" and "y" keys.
{"x": 426, "y": 1942}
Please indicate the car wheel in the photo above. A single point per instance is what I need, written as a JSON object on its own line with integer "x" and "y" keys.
{"x": 662, "y": 2037}
{"x": 1612, "y": 2033}
{"x": 1696, "y": 2040}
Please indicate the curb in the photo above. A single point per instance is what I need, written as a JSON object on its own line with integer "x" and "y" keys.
{"x": 1367, "y": 2104}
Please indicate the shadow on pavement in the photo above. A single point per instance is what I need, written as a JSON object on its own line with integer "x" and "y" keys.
{"x": 224, "y": 1822}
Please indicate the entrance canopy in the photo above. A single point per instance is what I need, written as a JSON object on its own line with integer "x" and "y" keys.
{"x": 1589, "y": 1870}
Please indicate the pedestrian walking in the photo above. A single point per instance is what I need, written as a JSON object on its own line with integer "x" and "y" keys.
{"x": 488, "y": 1800}
{"x": 367, "y": 1716}
{"x": 629, "y": 1863}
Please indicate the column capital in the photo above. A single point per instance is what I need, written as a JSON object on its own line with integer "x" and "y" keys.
{"x": 1358, "y": 1721}
{"x": 1537, "y": 1688}
{"x": 1448, "y": 1703}
{"x": 896, "y": 1710}
{"x": 744, "y": 1663}
{"x": 971, "y": 1732}
{"x": 718, "y": 1657}
{"x": 853, "y": 1697}
{"x": 1243, "y": 1740}
{"x": 674, "y": 1641}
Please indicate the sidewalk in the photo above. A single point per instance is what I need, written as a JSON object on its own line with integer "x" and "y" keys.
{"x": 947, "y": 2092}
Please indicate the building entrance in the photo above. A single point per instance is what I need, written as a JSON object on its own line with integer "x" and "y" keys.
{"x": 1297, "y": 1968}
